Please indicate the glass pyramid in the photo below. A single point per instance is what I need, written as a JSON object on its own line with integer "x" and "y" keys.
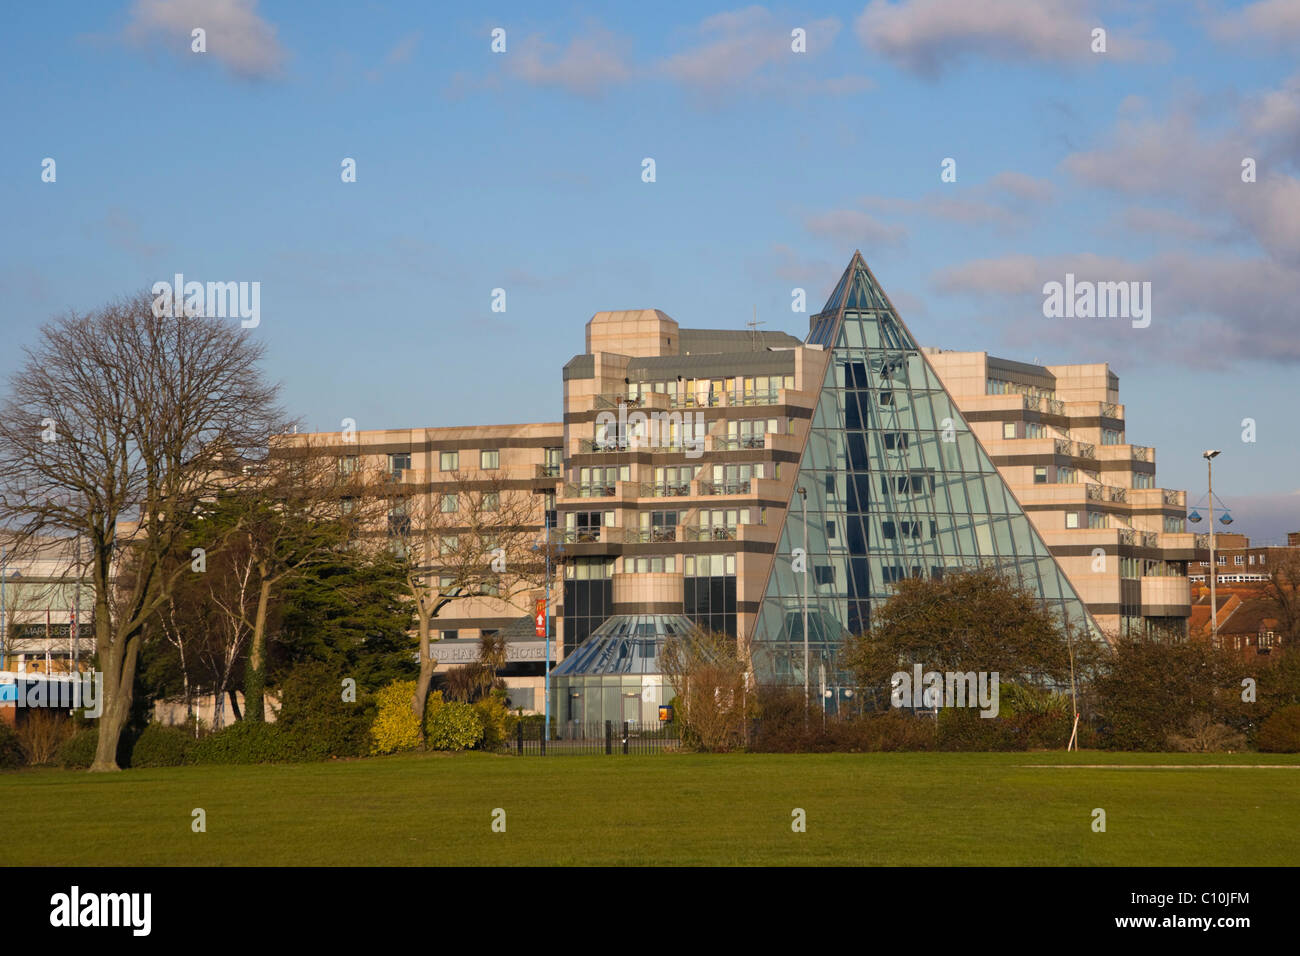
{"x": 897, "y": 486}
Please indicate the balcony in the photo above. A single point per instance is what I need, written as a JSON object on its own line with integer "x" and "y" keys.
{"x": 1117, "y": 494}
{"x": 719, "y": 533}
{"x": 599, "y": 489}
{"x": 650, "y": 489}
{"x": 577, "y": 536}
{"x": 1142, "y": 452}
{"x": 650, "y": 535}
{"x": 725, "y": 487}
{"x": 1166, "y": 596}
{"x": 1175, "y": 499}
{"x": 739, "y": 443}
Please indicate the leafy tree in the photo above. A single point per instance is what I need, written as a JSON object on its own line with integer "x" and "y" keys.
{"x": 975, "y": 620}
{"x": 1151, "y": 690}
{"x": 350, "y": 612}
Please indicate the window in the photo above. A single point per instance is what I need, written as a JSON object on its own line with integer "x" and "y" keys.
{"x": 491, "y": 501}
{"x": 449, "y": 635}
{"x": 1072, "y": 519}
{"x": 1008, "y": 429}
{"x": 450, "y": 504}
{"x": 1142, "y": 480}
{"x": 448, "y": 545}
{"x": 552, "y": 461}
{"x": 399, "y": 462}
{"x": 347, "y": 465}
{"x": 449, "y": 460}
{"x": 346, "y": 505}
{"x": 896, "y": 441}
{"x": 1238, "y": 559}
{"x": 489, "y": 459}
{"x": 1040, "y": 475}
{"x": 1222, "y": 559}
{"x": 1035, "y": 430}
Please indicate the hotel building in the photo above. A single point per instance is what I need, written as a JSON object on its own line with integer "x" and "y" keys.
{"x": 719, "y": 476}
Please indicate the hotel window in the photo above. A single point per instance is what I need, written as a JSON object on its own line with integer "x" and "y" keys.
{"x": 489, "y": 459}
{"x": 449, "y": 635}
{"x": 348, "y": 465}
{"x": 450, "y": 504}
{"x": 552, "y": 461}
{"x": 346, "y": 505}
{"x": 1072, "y": 519}
{"x": 449, "y": 460}
{"x": 709, "y": 565}
{"x": 1035, "y": 430}
{"x": 399, "y": 462}
{"x": 1040, "y": 475}
{"x": 1110, "y": 436}
{"x": 1141, "y": 480}
{"x": 448, "y": 545}
{"x": 1008, "y": 429}
{"x": 650, "y": 565}
{"x": 491, "y": 501}
{"x": 1096, "y": 520}
{"x": 1065, "y": 475}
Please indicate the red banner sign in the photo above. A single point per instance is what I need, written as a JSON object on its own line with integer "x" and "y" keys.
{"x": 541, "y": 617}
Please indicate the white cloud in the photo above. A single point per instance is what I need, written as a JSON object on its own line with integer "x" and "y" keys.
{"x": 237, "y": 36}
{"x": 737, "y": 47}
{"x": 592, "y": 62}
{"x": 854, "y": 227}
{"x": 926, "y": 36}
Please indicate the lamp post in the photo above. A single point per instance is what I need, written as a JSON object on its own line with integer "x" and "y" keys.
{"x": 803, "y": 496}
{"x": 1209, "y": 457}
{"x": 546, "y": 627}
{"x": 4, "y": 634}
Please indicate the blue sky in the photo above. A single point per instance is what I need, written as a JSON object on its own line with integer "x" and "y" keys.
{"x": 522, "y": 170}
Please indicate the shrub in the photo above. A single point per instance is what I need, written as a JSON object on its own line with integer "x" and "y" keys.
{"x": 1280, "y": 734}
{"x": 498, "y": 723}
{"x": 41, "y": 733}
{"x": 962, "y": 728}
{"x": 453, "y": 726}
{"x": 11, "y": 751}
{"x": 394, "y": 727}
{"x": 161, "y": 746}
{"x": 78, "y": 751}
{"x": 316, "y": 718}
{"x": 244, "y": 742}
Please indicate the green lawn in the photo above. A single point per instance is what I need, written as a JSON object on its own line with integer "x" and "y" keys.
{"x": 872, "y": 809}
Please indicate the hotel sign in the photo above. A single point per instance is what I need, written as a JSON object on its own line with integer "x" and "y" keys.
{"x": 465, "y": 652}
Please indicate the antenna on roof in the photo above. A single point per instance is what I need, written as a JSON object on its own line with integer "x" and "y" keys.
{"x": 753, "y": 329}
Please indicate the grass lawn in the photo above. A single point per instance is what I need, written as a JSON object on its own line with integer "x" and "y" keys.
{"x": 863, "y": 809}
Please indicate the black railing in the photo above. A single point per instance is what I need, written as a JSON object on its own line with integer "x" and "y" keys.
{"x": 592, "y": 739}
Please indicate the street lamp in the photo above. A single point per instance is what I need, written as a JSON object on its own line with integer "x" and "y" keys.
{"x": 803, "y": 496}
{"x": 546, "y": 627}
{"x": 1209, "y": 457}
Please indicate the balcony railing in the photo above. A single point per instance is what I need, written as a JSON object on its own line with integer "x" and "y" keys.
{"x": 1062, "y": 446}
{"x": 1095, "y": 492}
{"x": 1110, "y": 410}
{"x": 546, "y": 471}
{"x": 1118, "y": 494}
{"x": 717, "y": 533}
{"x": 1083, "y": 449}
{"x": 577, "y": 535}
{"x": 1127, "y": 536}
{"x": 650, "y": 535}
{"x": 1150, "y": 539}
{"x": 1175, "y": 498}
{"x": 595, "y": 489}
{"x": 718, "y": 399}
{"x": 725, "y": 487}
{"x": 650, "y": 489}
{"x": 738, "y": 443}
{"x": 1141, "y": 452}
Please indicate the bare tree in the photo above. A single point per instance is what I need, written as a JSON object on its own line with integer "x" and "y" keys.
{"x": 119, "y": 424}
{"x": 1282, "y": 592}
{"x": 471, "y": 539}
{"x": 710, "y": 674}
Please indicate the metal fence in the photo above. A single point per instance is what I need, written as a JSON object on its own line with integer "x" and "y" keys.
{"x": 607, "y": 738}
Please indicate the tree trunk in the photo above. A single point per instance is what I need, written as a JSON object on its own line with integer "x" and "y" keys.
{"x": 427, "y": 663}
{"x": 255, "y": 672}
{"x": 119, "y": 678}
{"x": 234, "y": 704}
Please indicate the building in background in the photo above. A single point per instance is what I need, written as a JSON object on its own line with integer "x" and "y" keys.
{"x": 749, "y": 481}
{"x": 1057, "y": 435}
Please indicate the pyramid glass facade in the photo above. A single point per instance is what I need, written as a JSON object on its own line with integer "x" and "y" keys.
{"x": 896, "y": 486}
